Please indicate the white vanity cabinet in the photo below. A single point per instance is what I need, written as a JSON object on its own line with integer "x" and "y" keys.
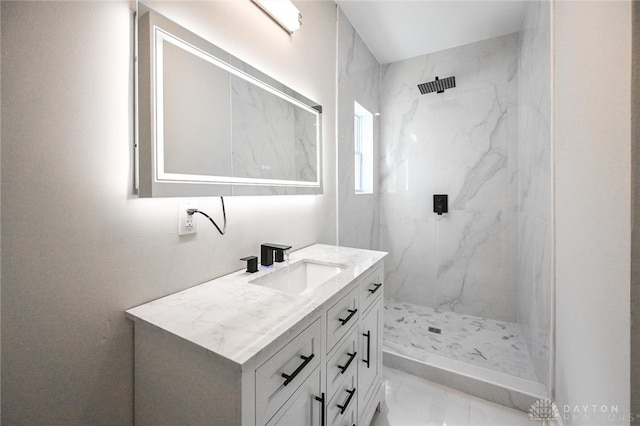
{"x": 202, "y": 358}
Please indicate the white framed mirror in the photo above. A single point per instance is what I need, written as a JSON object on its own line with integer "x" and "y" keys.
{"x": 209, "y": 124}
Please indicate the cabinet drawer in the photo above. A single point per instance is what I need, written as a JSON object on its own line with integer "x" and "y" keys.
{"x": 350, "y": 417}
{"x": 279, "y": 377}
{"x": 302, "y": 409}
{"x": 344, "y": 400}
{"x": 371, "y": 287}
{"x": 340, "y": 318}
{"x": 342, "y": 363}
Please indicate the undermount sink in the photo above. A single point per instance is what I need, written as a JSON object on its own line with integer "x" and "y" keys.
{"x": 300, "y": 277}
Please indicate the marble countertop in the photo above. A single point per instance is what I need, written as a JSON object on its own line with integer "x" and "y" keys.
{"x": 237, "y": 320}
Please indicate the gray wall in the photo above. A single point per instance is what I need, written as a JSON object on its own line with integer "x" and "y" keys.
{"x": 592, "y": 195}
{"x": 635, "y": 215}
{"x": 0, "y": 210}
{"x": 78, "y": 247}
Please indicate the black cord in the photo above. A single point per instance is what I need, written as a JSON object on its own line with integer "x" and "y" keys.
{"x": 224, "y": 215}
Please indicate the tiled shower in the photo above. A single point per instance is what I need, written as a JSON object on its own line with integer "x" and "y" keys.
{"x": 472, "y": 286}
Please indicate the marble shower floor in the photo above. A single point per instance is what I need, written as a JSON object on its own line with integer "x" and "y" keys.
{"x": 486, "y": 343}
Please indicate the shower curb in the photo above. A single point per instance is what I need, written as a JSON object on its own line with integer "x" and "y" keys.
{"x": 493, "y": 386}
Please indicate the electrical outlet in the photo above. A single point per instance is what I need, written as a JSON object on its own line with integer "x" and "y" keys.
{"x": 187, "y": 223}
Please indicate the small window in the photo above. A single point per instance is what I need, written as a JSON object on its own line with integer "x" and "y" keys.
{"x": 363, "y": 145}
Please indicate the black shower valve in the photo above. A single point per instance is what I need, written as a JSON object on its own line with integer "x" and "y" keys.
{"x": 440, "y": 204}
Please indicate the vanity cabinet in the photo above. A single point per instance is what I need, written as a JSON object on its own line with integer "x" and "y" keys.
{"x": 323, "y": 370}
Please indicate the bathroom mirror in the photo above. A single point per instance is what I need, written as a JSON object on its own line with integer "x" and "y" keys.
{"x": 210, "y": 124}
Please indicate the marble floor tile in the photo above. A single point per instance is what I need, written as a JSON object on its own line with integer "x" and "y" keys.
{"x": 417, "y": 331}
{"x": 411, "y": 401}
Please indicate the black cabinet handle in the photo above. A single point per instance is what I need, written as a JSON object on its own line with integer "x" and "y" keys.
{"x": 346, "y": 403}
{"x": 343, "y": 368}
{"x": 352, "y": 312}
{"x": 322, "y": 413}
{"x": 368, "y": 336}
{"x": 289, "y": 377}
{"x": 376, "y": 287}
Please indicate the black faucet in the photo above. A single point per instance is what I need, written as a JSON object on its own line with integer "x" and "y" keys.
{"x": 266, "y": 253}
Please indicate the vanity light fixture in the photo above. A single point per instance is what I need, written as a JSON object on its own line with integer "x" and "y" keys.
{"x": 283, "y": 12}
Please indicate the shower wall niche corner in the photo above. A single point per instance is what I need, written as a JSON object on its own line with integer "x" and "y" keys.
{"x": 210, "y": 124}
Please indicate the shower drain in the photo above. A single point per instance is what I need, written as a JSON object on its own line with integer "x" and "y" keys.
{"x": 435, "y": 330}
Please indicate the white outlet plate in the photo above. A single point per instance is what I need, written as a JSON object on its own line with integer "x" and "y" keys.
{"x": 187, "y": 224}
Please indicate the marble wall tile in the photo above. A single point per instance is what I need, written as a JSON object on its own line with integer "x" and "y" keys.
{"x": 411, "y": 242}
{"x": 462, "y": 143}
{"x": 474, "y": 266}
{"x": 534, "y": 181}
{"x": 358, "y": 80}
{"x": 534, "y": 113}
{"x": 534, "y": 281}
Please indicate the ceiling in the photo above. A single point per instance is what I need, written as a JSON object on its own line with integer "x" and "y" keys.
{"x": 397, "y": 29}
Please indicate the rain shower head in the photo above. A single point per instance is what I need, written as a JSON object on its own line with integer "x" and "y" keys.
{"x": 437, "y": 85}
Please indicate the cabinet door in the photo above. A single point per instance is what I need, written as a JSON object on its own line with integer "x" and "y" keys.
{"x": 350, "y": 418}
{"x": 370, "y": 361}
{"x": 303, "y": 408}
{"x": 371, "y": 288}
